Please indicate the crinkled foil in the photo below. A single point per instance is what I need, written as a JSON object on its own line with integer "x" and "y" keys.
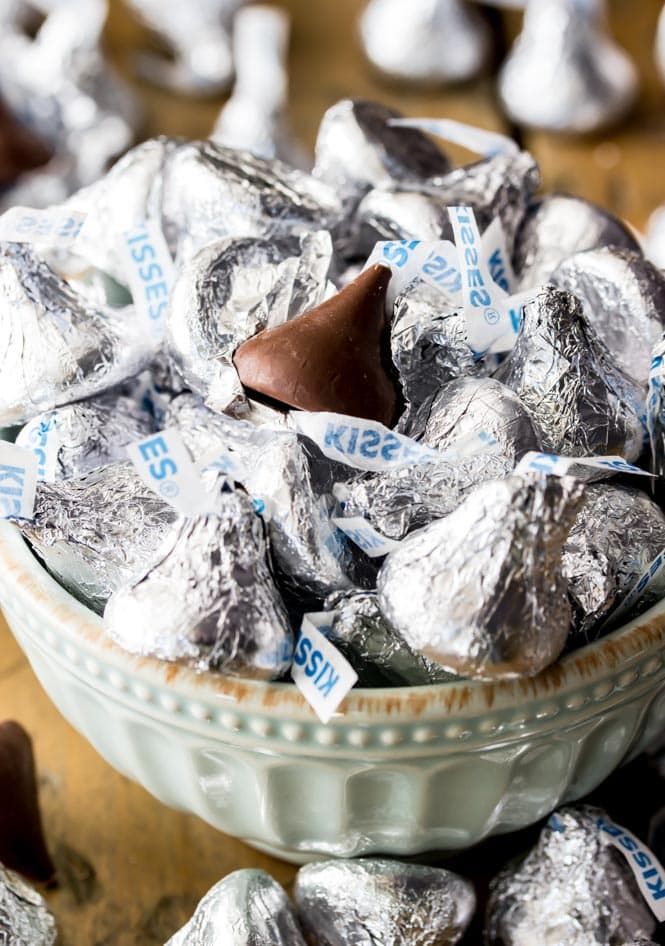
{"x": 618, "y": 532}
{"x": 429, "y": 344}
{"x": 565, "y": 73}
{"x": 272, "y": 466}
{"x": 90, "y": 434}
{"x": 125, "y": 198}
{"x": 97, "y": 532}
{"x": 375, "y": 900}
{"x": 393, "y": 214}
{"x": 54, "y": 346}
{"x": 556, "y": 227}
{"x": 379, "y": 655}
{"x": 255, "y": 117}
{"x": 474, "y": 405}
{"x": 581, "y": 400}
{"x": 439, "y": 41}
{"x": 247, "y": 908}
{"x": 573, "y": 887}
{"x": 59, "y": 83}
{"x": 208, "y": 597}
{"x": 211, "y": 193}
{"x": 233, "y": 289}
{"x": 481, "y": 591}
{"x": 623, "y": 296}
{"x": 24, "y": 917}
{"x": 499, "y": 186}
{"x": 398, "y": 501}
{"x": 356, "y": 150}
{"x": 197, "y": 37}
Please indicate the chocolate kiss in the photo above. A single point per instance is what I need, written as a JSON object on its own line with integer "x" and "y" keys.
{"x": 332, "y": 358}
{"x": 20, "y": 149}
{"x": 22, "y": 844}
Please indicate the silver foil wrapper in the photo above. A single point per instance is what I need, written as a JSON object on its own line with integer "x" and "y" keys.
{"x": 429, "y": 344}
{"x": 573, "y": 887}
{"x": 618, "y": 532}
{"x": 623, "y": 296}
{"x": 247, "y": 908}
{"x": 273, "y": 467}
{"x": 55, "y": 347}
{"x": 24, "y": 917}
{"x": 398, "y": 501}
{"x": 211, "y": 192}
{"x": 655, "y": 237}
{"x": 88, "y": 434}
{"x": 499, "y": 186}
{"x": 198, "y": 192}
{"x": 376, "y": 651}
{"x": 582, "y": 401}
{"x": 375, "y": 900}
{"x": 565, "y": 72}
{"x": 481, "y": 592}
{"x": 97, "y": 532}
{"x": 556, "y": 227}
{"x": 432, "y": 42}
{"x": 207, "y": 597}
{"x": 57, "y": 81}
{"x": 255, "y": 117}
{"x": 197, "y": 36}
{"x": 233, "y": 289}
{"x": 357, "y": 150}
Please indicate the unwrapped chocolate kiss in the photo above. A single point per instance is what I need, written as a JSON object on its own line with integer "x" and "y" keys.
{"x": 330, "y": 358}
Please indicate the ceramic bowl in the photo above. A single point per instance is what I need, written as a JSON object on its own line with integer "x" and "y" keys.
{"x": 398, "y": 771}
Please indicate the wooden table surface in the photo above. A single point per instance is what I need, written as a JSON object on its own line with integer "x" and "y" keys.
{"x": 132, "y": 871}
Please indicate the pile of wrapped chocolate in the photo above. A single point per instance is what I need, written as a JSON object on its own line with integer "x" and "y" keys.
{"x": 415, "y": 402}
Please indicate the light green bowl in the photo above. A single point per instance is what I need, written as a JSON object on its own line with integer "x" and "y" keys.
{"x": 398, "y": 771}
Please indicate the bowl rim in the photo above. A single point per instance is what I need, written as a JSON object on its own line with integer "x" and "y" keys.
{"x": 35, "y": 595}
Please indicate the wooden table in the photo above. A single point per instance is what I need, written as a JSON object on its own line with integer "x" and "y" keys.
{"x": 131, "y": 870}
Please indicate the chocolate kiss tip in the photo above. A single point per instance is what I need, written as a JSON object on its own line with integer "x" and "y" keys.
{"x": 22, "y": 844}
{"x": 331, "y": 358}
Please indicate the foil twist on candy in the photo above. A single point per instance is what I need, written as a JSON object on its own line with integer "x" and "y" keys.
{"x": 375, "y": 900}
{"x": 357, "y": 149}
{"x": 254, "y": 118}
{"x": 97, "y": 532}
{"x": 272, "y": 467}
{"x": 59, "y": 83}
{"x": 207, "y": 596}
{"x": 573, "y": 887}
{"x": 398, "y": 501}
{"x": 618, "y": 532}
{"x": 247, "y": 908}
{"x": 197, "y": 36}
{"x": 87, "y": 434}
{"x": 565, "y": 73}
{"x": 556, "y": 227}
{"x": 582, "y": 401}
{"x": 481, "y": 592}
{"x": 623, "y": 297}
{"x": 230, "y": 291}
{"x": 24, "y": 917}
{"x": 54, "y": 346}
{"x": 499, "y": 186}
{"x": 211, "y": 192}
{"x": 379, "y": 655}
{"x": 433, "y": 42}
